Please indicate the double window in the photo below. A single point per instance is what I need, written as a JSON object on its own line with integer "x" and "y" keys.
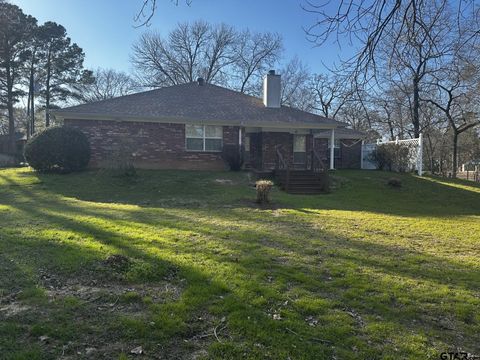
{"x": 203, "y": 138}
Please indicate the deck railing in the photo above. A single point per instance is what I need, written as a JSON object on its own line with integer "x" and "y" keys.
{"x": 281, "y": 165}
{"x": 317, "y": 164}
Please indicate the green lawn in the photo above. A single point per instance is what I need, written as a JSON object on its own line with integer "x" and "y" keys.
{"x": 366, "y": 272}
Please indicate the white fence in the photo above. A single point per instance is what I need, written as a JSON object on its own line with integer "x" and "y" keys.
{"x": 366, "y": 158}
{"x": 416, "y": 153}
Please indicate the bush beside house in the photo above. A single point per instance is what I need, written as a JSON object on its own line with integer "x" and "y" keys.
{"x": 391, "y": 157}
{"x": 233, "y": 157}
{"x": 58, "y": 149}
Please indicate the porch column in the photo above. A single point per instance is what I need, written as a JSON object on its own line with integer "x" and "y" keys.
{"x": 240, "y": 150}
{"x": 332, "y": 150}
{"x": 361, "y": 154}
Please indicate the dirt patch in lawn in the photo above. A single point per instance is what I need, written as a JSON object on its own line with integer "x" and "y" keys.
{"x": 104, "y": 289}
{"x": 103, "y": 304}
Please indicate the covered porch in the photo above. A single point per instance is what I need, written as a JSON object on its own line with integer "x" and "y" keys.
{"x": 299, "y": 149}
{"x": 294, "y": 158}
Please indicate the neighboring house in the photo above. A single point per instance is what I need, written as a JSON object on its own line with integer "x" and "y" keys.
{"x": 186, "y": 127}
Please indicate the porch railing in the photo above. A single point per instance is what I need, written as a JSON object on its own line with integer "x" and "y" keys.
{"x": 281, "y": 165}
{"x": 317, "y": 165}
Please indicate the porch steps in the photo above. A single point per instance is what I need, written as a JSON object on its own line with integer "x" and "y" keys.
{"x": 302, "y": 181}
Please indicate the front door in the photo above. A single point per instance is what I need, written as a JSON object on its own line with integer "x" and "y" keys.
{"x": 299, "y": 151}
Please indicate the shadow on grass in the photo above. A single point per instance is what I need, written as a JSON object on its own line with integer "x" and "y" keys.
{"x": 199, "y": 220}
{"x": 357, "y": 191}
{"x": 229, "y": 265}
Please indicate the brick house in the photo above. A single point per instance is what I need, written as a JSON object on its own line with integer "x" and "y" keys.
{"x": 187, "y": 126}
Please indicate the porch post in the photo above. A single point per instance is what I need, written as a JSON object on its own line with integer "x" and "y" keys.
{"x": 361, "y": 154}
{"x": 332, "y": 150}
{"x": 240, "y": 150}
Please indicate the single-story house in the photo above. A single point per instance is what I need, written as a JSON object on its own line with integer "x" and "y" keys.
{"x": 186, "y": 127}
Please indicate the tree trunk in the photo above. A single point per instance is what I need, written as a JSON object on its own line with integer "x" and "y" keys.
{"x": 416, "y": 107}
{"x": 431, "y": 151}
{"x": 47, "y": 92}
{"x": 11, "y": 125}
{"x": 242, "y": 89}
{"x": 390, "y": 127}
{"x": 31, "y": 99}
{"x": 32, "y": 109}
{"x": 11, "y": 117}
{"x": 28, "y": 114}
{"x": 454, "y": 153}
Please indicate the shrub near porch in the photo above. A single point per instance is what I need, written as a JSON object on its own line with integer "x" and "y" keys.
{"x": 368, "y": 271}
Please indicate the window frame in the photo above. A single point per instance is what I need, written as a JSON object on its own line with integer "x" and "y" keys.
{"x": 304, "y": 152}
{"x": 204, "y": 137}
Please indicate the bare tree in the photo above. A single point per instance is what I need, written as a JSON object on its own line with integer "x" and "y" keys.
{"x": 107, "y": 84}
{"x": 330, "y": 94}
{"x": 457, "y": 97}
{"x": 367, "y": 22}
{"x": 420, "y": 47}
{"x": 147, "y": 10}
{"x": 219, "y": 52}
{"x": 295, "y": 85}
{"x": 190, "y": 51}
{"x": 387, "y": 108}
{"x": 254, "y": 54}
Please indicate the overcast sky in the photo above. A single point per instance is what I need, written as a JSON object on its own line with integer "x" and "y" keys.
{"x": 105, "y": 28}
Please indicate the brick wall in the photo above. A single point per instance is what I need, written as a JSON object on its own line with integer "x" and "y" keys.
{"x": 351, "y": 151}
{"x": 321, "y": 145}
{"x": 156, "y": 145}
{"x": 256, "y": 150}
{"x": 269, "y": 142}
{"x": 153, "y": 145}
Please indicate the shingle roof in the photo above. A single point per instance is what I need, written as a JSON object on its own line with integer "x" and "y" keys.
{"x": 192, "y": 102}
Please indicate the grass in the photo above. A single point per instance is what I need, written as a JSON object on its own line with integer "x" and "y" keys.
{"x": 366, "y": 272}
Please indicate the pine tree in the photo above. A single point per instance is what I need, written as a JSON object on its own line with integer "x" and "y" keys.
{"x": 62, "y": 63}
{"x": 15, "y": 33}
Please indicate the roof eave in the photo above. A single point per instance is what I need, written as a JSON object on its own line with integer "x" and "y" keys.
{"x": 179, "y": 120}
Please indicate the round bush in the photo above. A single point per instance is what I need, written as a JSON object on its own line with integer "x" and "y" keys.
{"x": 58, "y": 149}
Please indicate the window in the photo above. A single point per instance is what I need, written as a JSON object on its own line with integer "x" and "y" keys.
{"x": 336, "y": 148}
{"x": 203, "y": 137}
{"x": 299, "y": 149}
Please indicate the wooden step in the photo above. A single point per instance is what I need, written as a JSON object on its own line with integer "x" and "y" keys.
{"x": 301, "y": 181}
{"x": 305, "y": 191}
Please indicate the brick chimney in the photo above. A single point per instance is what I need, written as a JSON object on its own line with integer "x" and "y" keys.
{"x": 271, "y": 90}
